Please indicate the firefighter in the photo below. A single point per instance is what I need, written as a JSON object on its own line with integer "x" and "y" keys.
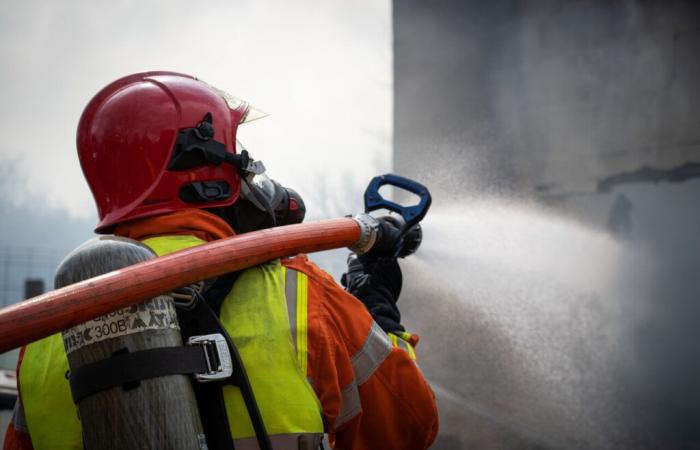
{"x": 160, "y": 155}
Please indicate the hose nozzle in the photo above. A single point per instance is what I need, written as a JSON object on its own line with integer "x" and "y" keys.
{"x": 386, "y": 236}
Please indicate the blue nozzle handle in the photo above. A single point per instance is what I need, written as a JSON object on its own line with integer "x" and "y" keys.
{"x": 411, "y": 214}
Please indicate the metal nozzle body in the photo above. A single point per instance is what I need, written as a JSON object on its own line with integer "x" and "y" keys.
{"x": 369, "y": 229}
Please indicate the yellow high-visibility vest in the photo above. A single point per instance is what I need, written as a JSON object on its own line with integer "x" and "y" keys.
{"x": 255, "y": 314}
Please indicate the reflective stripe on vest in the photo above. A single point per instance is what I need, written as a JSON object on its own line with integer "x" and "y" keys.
{"x": 255, "y": 314}
{"x": 256, "y": 317}
{"x": 297, "y": 293}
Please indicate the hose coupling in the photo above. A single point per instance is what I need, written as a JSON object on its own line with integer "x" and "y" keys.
{"x": 369, "y": 229}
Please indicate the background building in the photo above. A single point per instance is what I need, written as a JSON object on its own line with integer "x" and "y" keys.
{"x": 557, "y": 294}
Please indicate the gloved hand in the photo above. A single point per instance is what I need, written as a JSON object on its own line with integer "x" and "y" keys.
{"x": 388, "y": 237}
{"x": 376, "y": 282}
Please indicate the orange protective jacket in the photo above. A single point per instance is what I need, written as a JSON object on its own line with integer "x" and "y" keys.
{"x": 381, "y": 402}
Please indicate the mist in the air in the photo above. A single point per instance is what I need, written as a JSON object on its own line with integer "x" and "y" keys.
{"x": 554, "y": 313}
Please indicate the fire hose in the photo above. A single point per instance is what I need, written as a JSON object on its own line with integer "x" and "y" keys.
{"x": 63, "y": 308}
{"x": 66, "y": 307}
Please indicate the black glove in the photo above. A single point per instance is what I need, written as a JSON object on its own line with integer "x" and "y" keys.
{"x": 376, "y": 282}
{"x": 388, "y": 237}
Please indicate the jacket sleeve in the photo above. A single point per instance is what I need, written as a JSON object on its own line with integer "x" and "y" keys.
{"x": 376, "y": 282}
{"x": 16, "y": 439}
{"x": 371, "y": 390}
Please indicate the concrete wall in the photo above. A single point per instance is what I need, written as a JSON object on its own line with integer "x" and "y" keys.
{"x": 548, "y": 96}
{"x": 568, "y": 325}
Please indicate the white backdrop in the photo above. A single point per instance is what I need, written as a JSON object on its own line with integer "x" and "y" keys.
{"x": 322, "y": 69}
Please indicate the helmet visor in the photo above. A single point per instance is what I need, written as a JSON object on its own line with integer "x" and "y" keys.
{"x": 247, "y": 112}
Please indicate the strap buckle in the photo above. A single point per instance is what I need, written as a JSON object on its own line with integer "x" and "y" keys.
{"x": 216, "y": 355}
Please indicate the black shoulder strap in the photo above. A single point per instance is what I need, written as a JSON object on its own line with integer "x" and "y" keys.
{"x": 216, "y": 289}
{"x": 200, "y": 319}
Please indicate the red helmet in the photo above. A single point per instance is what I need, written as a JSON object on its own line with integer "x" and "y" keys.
{"x": 153, "y": 143}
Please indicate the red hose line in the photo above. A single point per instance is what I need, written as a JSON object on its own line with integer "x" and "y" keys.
{"x": 63, "y": 308}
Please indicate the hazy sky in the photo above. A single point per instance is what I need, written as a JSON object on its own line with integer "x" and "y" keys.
{"x": 322, "y": 69}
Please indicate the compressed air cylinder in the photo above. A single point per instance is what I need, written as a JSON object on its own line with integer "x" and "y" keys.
{"x": 156, "y": 413}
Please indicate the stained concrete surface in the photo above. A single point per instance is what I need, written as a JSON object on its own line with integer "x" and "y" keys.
{"x": 547, "y": 96}
{"x": 554, "y": 315}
